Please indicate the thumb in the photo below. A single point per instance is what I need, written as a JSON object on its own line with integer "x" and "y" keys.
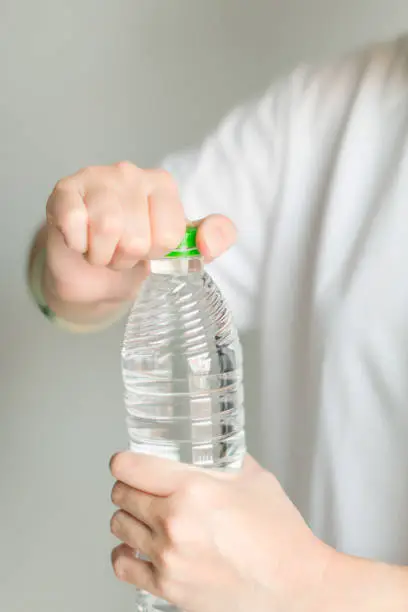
{"x": 216, "y": 234}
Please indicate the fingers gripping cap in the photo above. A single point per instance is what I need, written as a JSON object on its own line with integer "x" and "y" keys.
{"x": 188, "y": 246}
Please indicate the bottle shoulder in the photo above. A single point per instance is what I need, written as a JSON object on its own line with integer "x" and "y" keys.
{"x": 185, "y": 313}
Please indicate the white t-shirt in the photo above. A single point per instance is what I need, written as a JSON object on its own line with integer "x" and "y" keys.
{"x": 315, "y": 176}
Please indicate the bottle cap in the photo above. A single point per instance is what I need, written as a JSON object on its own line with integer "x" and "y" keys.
{"x": 188, "y": 246}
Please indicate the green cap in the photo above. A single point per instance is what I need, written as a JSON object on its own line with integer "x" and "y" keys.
{"x": 188, "y": 246}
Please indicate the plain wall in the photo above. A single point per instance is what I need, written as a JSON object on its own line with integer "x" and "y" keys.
{"x": 96, "y": 81}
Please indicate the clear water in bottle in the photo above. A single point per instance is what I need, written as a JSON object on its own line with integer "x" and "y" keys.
{"x": 182, "y": 372}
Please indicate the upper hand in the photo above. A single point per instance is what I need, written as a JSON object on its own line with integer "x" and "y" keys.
{"x": 216, "y": 542}
{"x": 103, "y": 221}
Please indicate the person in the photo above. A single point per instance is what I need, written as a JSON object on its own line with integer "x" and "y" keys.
{"x": 312, "y": 179}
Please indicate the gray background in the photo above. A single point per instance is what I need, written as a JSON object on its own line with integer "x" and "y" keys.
{"x": 95, "y": 81}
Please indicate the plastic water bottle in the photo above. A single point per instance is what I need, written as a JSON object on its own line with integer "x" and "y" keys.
{"x": 182, "y": 371}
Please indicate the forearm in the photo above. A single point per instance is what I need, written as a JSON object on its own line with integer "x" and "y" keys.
{"x": 358, "y": 585}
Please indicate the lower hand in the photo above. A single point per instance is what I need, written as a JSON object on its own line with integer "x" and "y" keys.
{"x": 216, "y": 542}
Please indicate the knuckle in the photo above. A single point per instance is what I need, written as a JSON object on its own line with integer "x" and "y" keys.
{"x": 136, "y": 246}
{"x": 171, "y": 237}
{"x": 118, "y": 493}
{"x": 66, "y": 217}
{"x": 119, "y": 569}
{"x": 107, "y": 224}
{"x": 197, "y": 490}
{"x": 90, "y": 171}
{"x": 173, "y": 526}
{"x": 89, "y": 175}
{"x": 114, "y": 464}
{"x": 167, "y": 180}
{"x": 127, "y": 169}
{"x": 115, "y": 522}
{"x": 165, "y": 243}
{"x": 166, "y": 558}
{"x": 63, "y": 185}
{"x": 122, "y": 465}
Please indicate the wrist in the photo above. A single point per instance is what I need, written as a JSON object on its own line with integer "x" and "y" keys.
{"x": 299, "y": 578}
{"x": 353, "y": 584}
{"x": 36, "y": 284}
{"x": 75, "y": 317}
{"x": 309, "y": 581}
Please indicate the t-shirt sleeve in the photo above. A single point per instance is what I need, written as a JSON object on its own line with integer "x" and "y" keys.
{"x": 236, "y": 172}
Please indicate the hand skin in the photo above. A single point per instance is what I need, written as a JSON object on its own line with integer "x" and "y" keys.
{"x": 222, "y": 542}
{"x": 103, "y": 224}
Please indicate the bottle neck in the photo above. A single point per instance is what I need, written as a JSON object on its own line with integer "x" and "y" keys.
{"x": 177, "y": 266}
